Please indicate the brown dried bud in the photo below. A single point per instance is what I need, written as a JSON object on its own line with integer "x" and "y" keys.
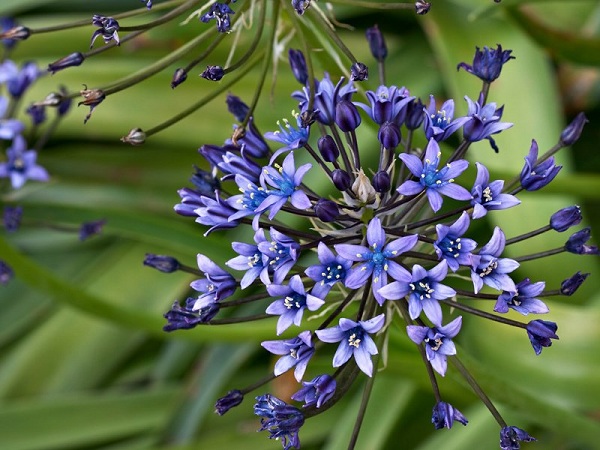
{"x": 91, "y": 98}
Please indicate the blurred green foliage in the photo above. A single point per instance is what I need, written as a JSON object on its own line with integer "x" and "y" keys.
{"x": 84, "y": 363}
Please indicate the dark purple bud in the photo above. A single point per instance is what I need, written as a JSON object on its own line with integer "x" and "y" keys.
{"x": 166, "y": 264}
{"x": 64, "y": 105}
{"x": 414, "y": 114}
{"x": 389, "y": 135}
{"x": 237, "y": 107}
{"x": 359, "y": 72}
{"x": 347, "y": 117}
{"x": 298, "y": 65}
{"x": 300, "y": 6}
{"x": 89, "y": 229}
{"x": 376, "y": 43}
{"x": 91, "y": 98}
{"x": 11, "y": 218}
{"x": 317, "y": 391}
{"x": 205, "y": 182}
{"x": 577, "y": 243}
{"x": 183, "y": 317}
{"x": 135, "y": 137}
{"x": 6, "y": 273}
{"x": 179, "y": 77}
{"x": 341, "y": 179}
{"x": 232, "y": 399}
{"x": 570, "y": 285}
{"x": 540, "y": 333}
{"x": 72, "y": 60}
{"x": 381, "y": 181}
{"x": 326, "y": 210}
{"x": 213, "y": 73}
{"x": 37, "y": 113}
{"x": 565, "y": 218}
{"x": 328, "y": 148}
{"x": 571, "y": 133}
{"x": 422, "y": 7}
{"x": 511, "y": 436}
{"x": 17, "y": 33}
{"x": 444, "y": 415}
{"x": 535, "y": 176}
{"x": 487, "y": 63}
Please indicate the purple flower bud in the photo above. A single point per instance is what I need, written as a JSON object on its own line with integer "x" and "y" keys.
{"x": 565, "y": 218}
{"x": 15, "y": 33}
{"x": 414, "y": 114}
{"x": 6, "y": 273}
{"x": 179, "y": 77}
{"x": 389, "y": 135}
{"x": 571, "y": 133}
{"x": 89, "y": 229}
{"x": 316, "y": 392}
{"x": 577, "y": 243}
{"x": 326, "y": 210}
{"x": 11, "y": 218}
{"x": 376, "y": 43}
{"x": 570, "y": 285}
{"x": 347, "y": 117}
{"x": 540, "y": 333}
{"x": 205, "y": 182}
{"x": 135, "y": 137}
{"x": 510, "y": 437}
{"x": 422, "y": 7}
{"x": 359, "y": 72}
{"x": 184, "y": 317}
{"x": 213, "y": 73}
{"x": 341, "y": 179}
{"x": 381, "y": 181}
{"x": 298, "y": 65}
{"x": 232, "y": 399}
{"x": 328, "y": 148}
{"x": 37, "y": 113}
{"x": 535, "y": 176}
{"x": 487, "y": 63}
{"x": 237, "y": 107}
{"x": 72, "y": 60}
{"x": 444, "y": 415}
{"x": 162, "y": 263}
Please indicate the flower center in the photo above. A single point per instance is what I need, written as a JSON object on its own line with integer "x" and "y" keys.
{"x": 440, "y": 120}
{"x": 333, "y": 273}
{"x": 493, "y": 265}
{"x": 355, "y": 337}
{"x": 435, "y": 344}
{"x": 450, "y": 246}
{"x": 487, "y": 195}
{"x": 422, "y": 289}
{"x": 296, "y": 301}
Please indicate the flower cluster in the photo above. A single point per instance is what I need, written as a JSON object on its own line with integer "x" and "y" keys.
{"x": 386, "y": 239}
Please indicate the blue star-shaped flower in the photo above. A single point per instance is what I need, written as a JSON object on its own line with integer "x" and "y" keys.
{"x": 523, "y": 299}
{"x": 488, "y": 268}
{"x": 438, "y": 342}
{"x": 451, "y": 246}
{"x": 295, "y": 353}
{"x": 488, "y": 196}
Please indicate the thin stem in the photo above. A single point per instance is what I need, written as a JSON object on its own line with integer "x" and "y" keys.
{"x": 485, "y": 315}
{"x": 531, "y": 234}
{"x": 533, "y": 256}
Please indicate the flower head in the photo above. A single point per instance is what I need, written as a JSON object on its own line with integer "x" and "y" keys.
{"x": 523, "y": 300}
{"x": 9, "y": 128}
{"x": 21, "y": 165}
{"x": 571, "y": 284}
{"x": 438, "y": 123}
{"x": 186, "y": 317}
{"x": 281, "y": 420}
{"x": 216, "y": 285}
{"x": 316, "y": 391}
{"x": 92, "y": 228}
{"x": 232, "y": 399}
{"x": 511, "y": 436}
{"x": 220, "y": 12}
{"x": 536, "y": 175}
{"x": 107, "y": 28}
{"x": 295, "y": 353}
{"x": 11, "y": 218}
{"x": 438, "y": 342}
{"x": 577, "y": 243}
{"x": 565, "y": 218}
{"x": 488, "y": 196}
{"x": 451, "y": 246}
{"x": 354, "y": 341}
{"x": 485, "y": 121}
{"x": 488, "y": 268}
{"x": 332, "y": 269}
{"x": 444, "y": 415}
{"x": 540, "y": 333}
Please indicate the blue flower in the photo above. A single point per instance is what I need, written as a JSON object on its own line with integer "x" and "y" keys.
{"x": 571, "y": 284}
{"x": 485, "y": 121}
{"x": 488, "y": 268}
{"x": 279, "y": 256}
{"x": 17, "y": 81}
{"x": 215, "y": 213}
{"x": 431, "y": 180}
{"x": 535, "y": 176}
{"x": 451, "y": 246}
{"x": 316, "y": 391}
{"x": 487, "y": 63}
{"x": 217, "y": 284}
{"x": 294, "y": 300}
{"x": 354, "y": 341}
{"x": 108, "y": 29}
{"x": 511, "y": 436}
{"x": 332, "y": 269}
{"x": 424, "y": 291}
{"x": 565, "y": 218}
{"x": 281, "y": 420}
{"x": 296, "y": 353}
{"x": 438, "y": 342}
{"x": 11, "y": 218}
{"x": 250, "y": 259}
{"x": 376, "y": 260}
{"x": 388, "y": 104}
{"x": 438, "y": 124}
{"x": 248, "y": 203}
{"x": 9, "y": 128}
{"x": 89, "y": 229}
{"x": 488, "y": 196}
{"x": 21, "y": 164}
{"x": 540, "y": 333}
{"x": 285, "y": 180}
{"x": 444, "y": 415}
{"x": 523, "y": 299}
{"x": 220, "y": 12}
{"x": 6, "y": 272}
{"x": 288, "y": 135}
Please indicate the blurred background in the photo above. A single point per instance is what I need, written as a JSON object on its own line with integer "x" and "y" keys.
{"x": 84, "y": 363}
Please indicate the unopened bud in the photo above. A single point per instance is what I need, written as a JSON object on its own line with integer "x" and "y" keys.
{"x": 376, "y": 43}
{"x": 18, "y": 33}
{"x": 359, "y": 72}
{"x": 422, "y": 7}
{"x": 73, "y": 60}
{"x": 179, "y": 77}
{"x": 328, "y": 148}
{"x": 213, "y": 73}
{"x": 572, "y": 132}
{"x": 135, "y": 137}
{"x": 326, "y": 210}
{"x": 341, "y": 179}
